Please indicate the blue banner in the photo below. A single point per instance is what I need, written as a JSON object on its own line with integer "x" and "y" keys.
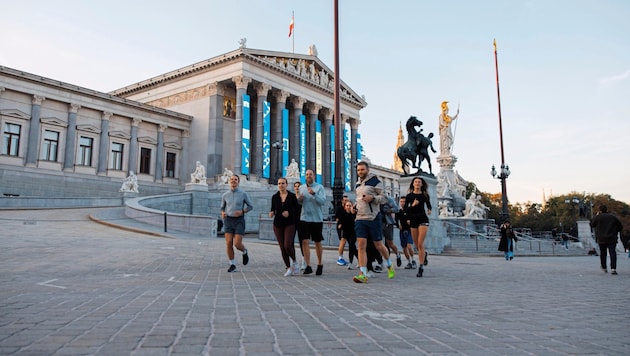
{"x": 285, "y": 141}
{"x": 318, "y": 151}
{"x": 302, "y": 147}
{"x": 332, "y": 154}
{"x": 266, "y": 147}
{"x": 347, "y": 154}
{"x": 245, "y": 139}
{"x": 359, "y": 147}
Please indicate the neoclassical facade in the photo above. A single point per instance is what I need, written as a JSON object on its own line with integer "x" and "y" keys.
{"x": 298, "y": 86}
{"x": 61, "y": 139}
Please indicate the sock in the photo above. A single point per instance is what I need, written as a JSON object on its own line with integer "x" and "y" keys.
{"x": 340, "y": 256}
{"x": 245, "y": 251}
{"x": 389, "y": 262}
{"x": 232, "y": 262}
{"x": 364, "y": 270}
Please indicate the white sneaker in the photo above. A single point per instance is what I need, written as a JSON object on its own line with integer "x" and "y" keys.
{"x": 295, "y": 267}
{"x": 288, "y": 272}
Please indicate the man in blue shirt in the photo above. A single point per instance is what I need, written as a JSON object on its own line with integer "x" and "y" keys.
{"x": 312, "y": 197}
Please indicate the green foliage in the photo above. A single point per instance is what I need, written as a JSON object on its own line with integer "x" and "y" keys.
{"x": 559, "y": 212}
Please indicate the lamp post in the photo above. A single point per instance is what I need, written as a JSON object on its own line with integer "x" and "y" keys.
{"x": 505, "y": 170}
{"x": 278, "y": 146}
{"x": 502, "y": 175}
{"x": 337, "y": 187}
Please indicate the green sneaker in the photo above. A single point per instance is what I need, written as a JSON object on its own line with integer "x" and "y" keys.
{"x": 390, "y": 272}
{"x": 360, "y": 278}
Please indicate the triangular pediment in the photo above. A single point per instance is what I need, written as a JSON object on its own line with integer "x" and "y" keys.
{"x": 16, "y": 114}
{"x": 308, "y": 68}
{"x": 120, "y": 134}
{"x": 53, "y": 121}
{"x": 173, "y": 145}
{"x": 147, "y": 139}
{"x": 89, "y": 128}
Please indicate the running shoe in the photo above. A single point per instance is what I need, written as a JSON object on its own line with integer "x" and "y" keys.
{"x": 390, "y": 272}
{"x": 409, "y": 266}
{"x": 398, "y": 260}
{"x": 414, "y": 265}
{"x": 288, "y": 272}
{"x": 320, "y": 269}
{"x": 378, "y": 269}
{"x": 426, "y": 258}
{"x": 420, "y": 272}
{"x": 308, "y": 270}
{"x": 341, "y": 261}
{"x": 232, "y": 268}
{"x": 360, "y": 278}
{"x": 245, "y": 258}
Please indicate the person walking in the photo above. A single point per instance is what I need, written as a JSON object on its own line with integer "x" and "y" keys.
{"x": 369, "y": 193}
{"x": 284, "y": 209}
{"x": 607, "y": 228}
{"x": 417, "y": 218}
{"x": 404, "y": 234}
{"x": 312, "y": 197}
{"x": 508, "y": 238}
{"x": 388, "y": 211}
{"x": 234, "y": 204}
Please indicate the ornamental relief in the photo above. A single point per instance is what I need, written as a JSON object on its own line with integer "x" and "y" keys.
{"x": 183, "y": 97}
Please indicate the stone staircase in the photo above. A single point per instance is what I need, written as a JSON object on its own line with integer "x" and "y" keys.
{"x": 529, "y": 247}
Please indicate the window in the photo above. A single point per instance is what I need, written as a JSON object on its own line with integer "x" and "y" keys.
{"x": 50, "y": 146}
{"x": 170, "y": 164}
{"x": 11, "y": 142}
{"x": 86, "y": 146}
{"x": 145, "y": 160}
{"x": 116, "y": 156}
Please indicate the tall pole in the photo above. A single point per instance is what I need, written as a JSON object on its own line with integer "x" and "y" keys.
{"x": 293, "y": 22}
{"x": 503, "y": 175}
{"x": 338, "y": 183}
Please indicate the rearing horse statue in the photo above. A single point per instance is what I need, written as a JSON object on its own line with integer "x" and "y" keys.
{"x": 408, "y": 152}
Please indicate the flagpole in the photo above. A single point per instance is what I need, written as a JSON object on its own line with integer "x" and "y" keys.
{"x": 293, "y": 22}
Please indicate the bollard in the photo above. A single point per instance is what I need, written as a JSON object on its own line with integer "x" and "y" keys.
{"x": 165, "y": 225}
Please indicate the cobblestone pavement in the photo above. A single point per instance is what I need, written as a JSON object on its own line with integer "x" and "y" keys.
{"x": 71, "y": 286}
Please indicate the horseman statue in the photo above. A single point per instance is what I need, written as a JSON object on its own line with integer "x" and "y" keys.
{"x": 416, "y": 149}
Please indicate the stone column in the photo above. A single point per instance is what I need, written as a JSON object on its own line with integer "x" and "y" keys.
{"x": 215, "y": 133}
{"x": 133, "y": 146}
{"x": 294, "y": 127}
{"x": 241, "y": 88}
{"x": 328, "y": 117}
{"x": 310, "y": 137}
{"x": 103, "y": 144}
{"x": 159, "y": 159}
{"x": 354, "y": 129}
{"x": 71, "y": 138}
{"x": 33, "y": 131}
{"x": 276, "y": 128}
{"x": 262, "y": 90}
{"x": 183, "y": 168}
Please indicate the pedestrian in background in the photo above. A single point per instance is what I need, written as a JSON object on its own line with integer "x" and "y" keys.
{"x": 508, "y": 238}
{"x": 607, "y": 229}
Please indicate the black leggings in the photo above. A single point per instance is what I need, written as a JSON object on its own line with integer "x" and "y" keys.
{"x": 603, "y": 249}
{"x": 351, "y": 240}
{"x": 285, "y": 235}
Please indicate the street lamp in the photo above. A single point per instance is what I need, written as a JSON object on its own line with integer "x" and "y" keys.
{"x": 278, "y": 146}
{"x": 503, "y": 175}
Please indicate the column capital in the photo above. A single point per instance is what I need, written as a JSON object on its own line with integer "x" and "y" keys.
{"x": 162, "y": 127}
{"x": 74, "y": 108}
{"x": 354, "y": 123}
{"x": 216, "y": 88}
{"x": 37, "y": 99}
{"x": 241, "y": 81}
{"x": 314, "y": 108}
{"x": 298, "y": 102}
{"x": 106, "y": 115}
{"x": 280, "y": 95}
{"x": 262, "y": 89}
{"x": 328, "y": 114}
{"x": 136, "y": 122}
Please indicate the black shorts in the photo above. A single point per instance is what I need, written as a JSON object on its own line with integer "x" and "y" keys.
{"x": 311, "y": 230}
{"x": 416, "y": 221}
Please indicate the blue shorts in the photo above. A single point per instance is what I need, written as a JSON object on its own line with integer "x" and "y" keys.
{"x": 405, "y": 238}
{"x": 234, "y": 226}
{"x": 371, "y": 229}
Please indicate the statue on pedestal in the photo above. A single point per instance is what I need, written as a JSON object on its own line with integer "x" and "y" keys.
{"x": 130, "y": 184}
{"x": 225, "y": 177}
{"x": 199, "y": 175}
{"x": 446, "y": 135}
{"x": 416, "y": 149}
{"x": 293, "y": 170}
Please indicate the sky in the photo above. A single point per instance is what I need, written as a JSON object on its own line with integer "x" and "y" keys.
{"x": 564, "y": 70}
